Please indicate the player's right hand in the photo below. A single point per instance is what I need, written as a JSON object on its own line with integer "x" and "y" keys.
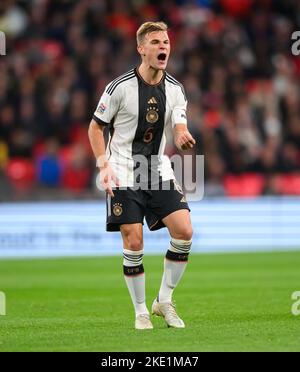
{"x": 107, "y": 176}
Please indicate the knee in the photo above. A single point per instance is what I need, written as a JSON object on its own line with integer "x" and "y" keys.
{"x": 134, "y": 244}
{"x": 185, "y": 233}
{"x": 132, "y": 240}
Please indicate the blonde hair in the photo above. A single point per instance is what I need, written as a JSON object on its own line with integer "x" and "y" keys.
{"x": 148, "y": 27}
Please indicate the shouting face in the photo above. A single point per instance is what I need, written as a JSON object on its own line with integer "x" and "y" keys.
{"x": 155, "y": 49}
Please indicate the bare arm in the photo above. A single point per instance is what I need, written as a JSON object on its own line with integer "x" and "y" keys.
{"x": 97, "y": 142}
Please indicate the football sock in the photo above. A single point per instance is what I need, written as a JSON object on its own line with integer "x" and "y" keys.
{"x": 135, "y": 279}
{"x": 174, "y": 266}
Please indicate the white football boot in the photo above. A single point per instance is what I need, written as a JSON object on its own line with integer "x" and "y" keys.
{"x": 143, "y": 321}
{"x": 168, "y": 312}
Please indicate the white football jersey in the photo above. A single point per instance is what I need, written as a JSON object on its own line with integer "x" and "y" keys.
{"x": 138, "y": 116}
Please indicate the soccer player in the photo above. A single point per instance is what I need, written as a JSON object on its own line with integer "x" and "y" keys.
{"x": 139, "y": 108}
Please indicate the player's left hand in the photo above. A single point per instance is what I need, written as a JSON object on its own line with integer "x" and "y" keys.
{"x": 183, "y": 138}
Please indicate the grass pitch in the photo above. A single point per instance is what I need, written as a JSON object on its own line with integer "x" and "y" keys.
{"x": 232, "y": 302}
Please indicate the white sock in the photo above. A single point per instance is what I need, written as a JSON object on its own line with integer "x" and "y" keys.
{"x": 174, "y": 266}
{"x": 135, "y": 279}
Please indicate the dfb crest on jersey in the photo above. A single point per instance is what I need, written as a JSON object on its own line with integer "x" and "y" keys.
{"x": 152, "y": 115}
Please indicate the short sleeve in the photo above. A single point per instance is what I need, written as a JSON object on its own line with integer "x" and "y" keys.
{"x": 179, "y": 110}
{"x": 107, "y": 107}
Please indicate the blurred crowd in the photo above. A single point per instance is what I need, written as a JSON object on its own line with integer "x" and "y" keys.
{"x": 232, "y": 56}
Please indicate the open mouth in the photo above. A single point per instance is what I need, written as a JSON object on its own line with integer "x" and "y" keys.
{"x": 162, "y": 56}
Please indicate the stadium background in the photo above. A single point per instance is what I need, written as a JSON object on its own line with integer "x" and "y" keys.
{"x": 242, "y": 83}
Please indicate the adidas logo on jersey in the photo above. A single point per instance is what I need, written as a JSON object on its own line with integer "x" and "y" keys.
{"x": 152, "y": 101}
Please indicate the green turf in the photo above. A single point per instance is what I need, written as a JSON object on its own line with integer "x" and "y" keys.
{"x": 233, "y": 302}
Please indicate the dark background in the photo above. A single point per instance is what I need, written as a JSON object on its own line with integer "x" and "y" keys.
{"x": 233, "y": 57}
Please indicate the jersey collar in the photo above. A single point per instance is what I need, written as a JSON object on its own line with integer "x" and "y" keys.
{"x": 136, "y": 70}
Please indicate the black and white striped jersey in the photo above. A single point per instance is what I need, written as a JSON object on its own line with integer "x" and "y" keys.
{"x": 139, "y": 116}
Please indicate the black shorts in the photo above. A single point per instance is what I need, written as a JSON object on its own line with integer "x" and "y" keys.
{"x": 131, "y": 206}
